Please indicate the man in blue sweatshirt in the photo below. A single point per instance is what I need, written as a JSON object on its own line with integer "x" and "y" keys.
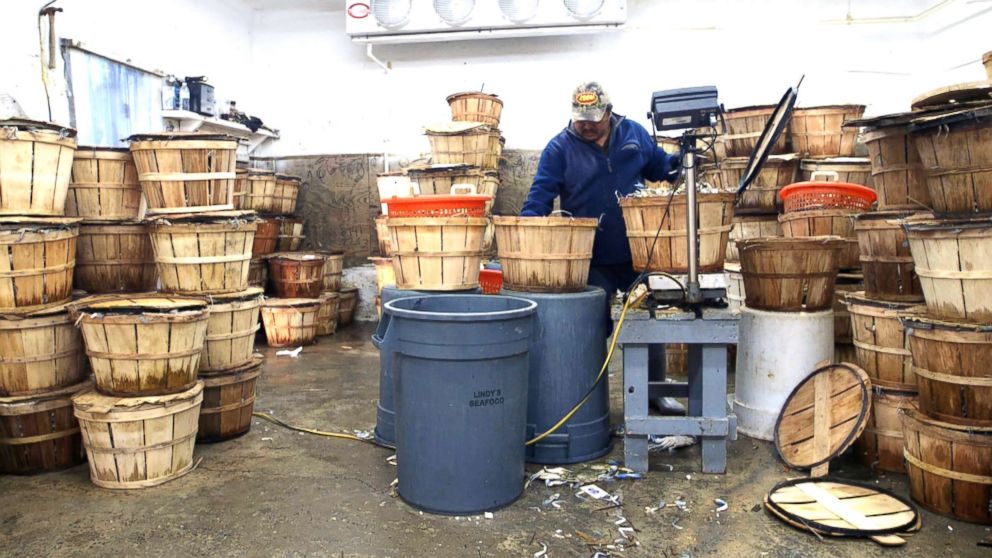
{"x": 596, "y": 158}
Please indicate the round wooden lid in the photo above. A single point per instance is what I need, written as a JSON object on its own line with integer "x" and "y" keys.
{"x": 92, "y": 401}
{"x": 957, "y": 93}
{"x": 290, "y": 302}
{"x": 841, "y": 508}
{"x": 823, "y": 416}
{"x": 249, "y": 293}
{"x": 130, "y": 303}
{"x": 455, "y": 127}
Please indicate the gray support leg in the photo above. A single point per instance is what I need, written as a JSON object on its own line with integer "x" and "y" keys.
{"x": 635, "y": 403}
{"x": 714, "y": 404}
{"x": 696, "y": 379}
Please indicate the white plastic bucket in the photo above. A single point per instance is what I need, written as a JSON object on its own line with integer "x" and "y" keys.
{"x": 394, "y": 184}
{"x": 775, "y": 352}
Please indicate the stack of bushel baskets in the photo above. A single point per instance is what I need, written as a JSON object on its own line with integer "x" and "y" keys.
{"x": 42, "y": 363}
{"x": 436, "y": 225}
{"x": 306, "y": 285}
{"x": 948, "y": 440}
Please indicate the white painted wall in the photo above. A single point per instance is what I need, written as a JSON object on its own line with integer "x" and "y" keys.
{"x": 327, "y": 97}
{"x": 182, "y": 37}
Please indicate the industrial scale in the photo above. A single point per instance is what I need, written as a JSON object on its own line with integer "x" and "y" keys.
{"x": 688, "y": 308}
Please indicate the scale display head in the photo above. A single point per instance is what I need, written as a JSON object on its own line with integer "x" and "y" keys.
{"x": 680, "y": 109}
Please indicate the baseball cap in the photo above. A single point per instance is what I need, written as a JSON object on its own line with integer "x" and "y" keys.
{"x": 589, "y": 102}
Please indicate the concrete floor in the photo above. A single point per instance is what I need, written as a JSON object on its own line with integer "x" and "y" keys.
{"x": 276, "y": 492}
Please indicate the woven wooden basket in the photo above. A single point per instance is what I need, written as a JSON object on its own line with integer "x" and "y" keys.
{"x": 255, "y": 189}
{"x": 138, "y": 442}
{"x": 266, "y": 238}
{"x": 476, "y": 106}
{"x": 287, "y": 191}
{"x": 881, "y": 341}
{"x": 104, "y": 186}
{"x": 762, "y": 194}
{"x": 297, "y": 274}
{"x": 327, "y": 316}
{"x": 880, "y": 446}
{"x": 751, "y": 226}
{"x": 744, "y": 127}
{"x": 897, "y": 172}
{"x": 37, "y": 260}
{"x": 35, "y": 168}
{"x": 958, "y": 486}
{"x": 290, "y": 234}
{"x": 951, "y": 366}
{"x": 208, "y": 255}
{"x": 790, "y": 274}
{"x": 333, "y": 271}
{"x": 825, "y": 222}
{"x": 290, "y": 322}
{"x": 231, "y": 329}
{"x": 819, "y": 132}
{"x": 142, "y": 344}
{"x": 115, "y": 257}
{"x": 545, "y": 254}
{"x": 437, "y": 253}
{"x": 885, "y": 257}
{"x": 953, "y": 263}
{"x": 851, "y": 170}
{"x": 40, "y": 353}
{"x": 466, "y": 143}
{"x": 957, "y": 157}
{"x": 347, "y": 304}
{"x": 382, "y": 234}
{"x": 228, "y": 401}
{"x": 644, "y": 217}
{"x": 39, "y": 433}
{"x": 185, "y": 172}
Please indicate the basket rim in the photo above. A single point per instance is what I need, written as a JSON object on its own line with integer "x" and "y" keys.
{"x": 23, "y": 402}
{"x": 492, "y": 96}
{"x": 297, "y": 256}
{"x": 942, "y": 225}
{"x": 30, "y": 125}
{"x": 663, "y": 199}
{"x": 825, "y": 107}
{"x": 290, "y": 302}
{"x": 861, "y": 298}
{"x": 546, "y": 221}
{"x": 249, "y": 293}
{"x": 138, "y": 302}
{"x": 919, "y": 416}
{"x": 766, "y": 242}
{"x": 85, "y": 401}
{"x": 183, "y": 136}
{"x": 925, "y": 321}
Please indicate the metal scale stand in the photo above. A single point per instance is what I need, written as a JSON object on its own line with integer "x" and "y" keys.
{"x": 696, "y": 316}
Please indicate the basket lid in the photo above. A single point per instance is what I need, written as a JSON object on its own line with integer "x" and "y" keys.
{"x": 861, "y": 298}
{"x": 491, "y": 96}
{"x": 138, "y": 303}
{"x": 288, "y": 177}
{"x": 92, "y": 401}
{"x": 29, "y": 125}
{"x": 921, "y": 224}
{"x": 247, "y": 294}
{"x": 441, "y": 169}
{"x": 62, "y": 308}
{"x": 834, "y": 161}
{"x": 800, "y": 429}
{"x": 204, "y": 217}
{"x": 550, "y": 221}
{"x": 249, "y": 370}
{"x": 290, "y": 302}
{"x": 455, "y": 127}
{"x": 788, "y": 242}
{"x": 257, "y": 172}
{"x": 953, "y": 94}
{"x": 925, "y": 321}
{"x": 948, "y": 428}
{"x": 902, "y": 119}
{"x": 38, "y": 223}
{"x": 82, "y": 149}
{"x": 168, "y": 136}
{"x": 26, "y": 404}
{"x": 964, "y": 117}
{"x": 817, "y": 504}
{"x": 297, "y": 256}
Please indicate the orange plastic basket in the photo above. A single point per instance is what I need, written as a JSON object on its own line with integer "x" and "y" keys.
{"x": 437, "y": 205}
{"x": 491, "y": 281}
{"x": 813, "y": 195}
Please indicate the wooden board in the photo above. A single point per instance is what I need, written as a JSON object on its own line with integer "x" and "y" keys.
{"x": 957, "y": 93}
{"x": 823, "y": 416}
{"x": 843, "y": 508}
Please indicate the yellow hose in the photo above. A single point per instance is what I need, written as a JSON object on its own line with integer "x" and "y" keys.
{"x": 631, "y": 301}
{"x": 340, "y": 435}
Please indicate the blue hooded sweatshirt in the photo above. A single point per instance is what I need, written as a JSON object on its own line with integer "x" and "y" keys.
{"x": 588, "y": 179}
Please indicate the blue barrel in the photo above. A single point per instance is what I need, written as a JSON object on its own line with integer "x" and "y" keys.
{"x": 385, "y": 414}
{"x": 567, "y": 353}
{"x": 460, "y": 382}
